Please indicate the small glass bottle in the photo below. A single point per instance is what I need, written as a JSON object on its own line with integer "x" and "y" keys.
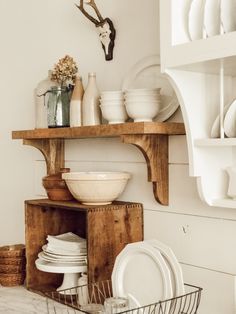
{"x": 91, "y": 114}
{"x": 76, "y": 103}
{"x": 40, "y": 102}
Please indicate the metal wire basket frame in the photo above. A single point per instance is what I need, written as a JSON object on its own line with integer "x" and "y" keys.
{"x": 77, "y": 299}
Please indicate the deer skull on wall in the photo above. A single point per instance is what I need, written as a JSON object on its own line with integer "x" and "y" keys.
{"x": 105, "y": 28}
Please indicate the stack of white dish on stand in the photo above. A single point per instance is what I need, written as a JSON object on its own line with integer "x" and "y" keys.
{"x": 142, "y": 104}
{"x": 112, "y": 107}
{"x": 67, "y": 254}
{"x": 147, "y": 272}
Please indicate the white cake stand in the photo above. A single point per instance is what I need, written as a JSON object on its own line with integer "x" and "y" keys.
{"x": 71, "y": 273}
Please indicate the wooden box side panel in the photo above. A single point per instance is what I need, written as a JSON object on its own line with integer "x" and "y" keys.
{"x": 109, "y": 230}
{"x": 40, "y": 222}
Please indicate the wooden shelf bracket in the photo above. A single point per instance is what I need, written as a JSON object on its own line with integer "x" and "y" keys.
{"x": 53, "y": 151}
{"x": 155, "y": 151}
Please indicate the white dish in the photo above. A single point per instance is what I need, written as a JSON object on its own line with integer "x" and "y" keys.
{"x": 185, "y": 13}
{"x": 215, "y": 130}
{"x": 174, "y": 266}
{"x": 59, "y": 268}
{"x": 141, "y": 274}
{"x": 147, "y": 74}
{"x": 62, "y": 253}
{"x": 48, "y": 258}
{"x": 195, "y": 19}
{"x": 228, "y": 15}
{"x": 212, "y": 17}
{"x": 229, "y": 120}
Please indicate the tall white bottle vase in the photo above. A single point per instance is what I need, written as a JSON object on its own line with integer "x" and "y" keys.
{"x": 76, "y": 103}
{"x": 41, "y": 102}
{"x": 91, "y": 114}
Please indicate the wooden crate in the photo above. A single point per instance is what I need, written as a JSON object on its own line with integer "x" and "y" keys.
{"x": 107, "y": 229}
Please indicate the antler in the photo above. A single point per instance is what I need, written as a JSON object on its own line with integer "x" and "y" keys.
{"x": 93, "y": 5}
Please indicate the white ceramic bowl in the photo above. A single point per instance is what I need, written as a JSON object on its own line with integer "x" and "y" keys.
{"x": 143, "y": 91}
{"x": 96, "y": 188}
{"x": 112, "y": 102}
{"x": 114, "y": 114}
{"x": 142, "y": 111}
{"x": 140, "y": 98}
{"x": 112, "y": 95}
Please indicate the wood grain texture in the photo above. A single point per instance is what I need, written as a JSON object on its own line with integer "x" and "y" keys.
{"x": 107, "y": 230}
{"x": 103, "y": 130}
{"x": 155, "y": 152}
{"x": 53, "y": 151}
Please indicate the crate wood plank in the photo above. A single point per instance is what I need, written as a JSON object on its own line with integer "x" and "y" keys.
{"x": 107, "y": 228}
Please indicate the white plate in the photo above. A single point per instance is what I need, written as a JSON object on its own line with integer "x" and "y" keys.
{"x": 185, "y": 14}
{"x": 215, "y": 130}
{"x": 47, "y": 258}
{"x": 59, "y": 268}
{"x": 212, "y": 17}
{"x": 228, "y": 15}
{"x": 230, "y": 120}
{"x": 62, "y": 252}
{"x": 147, "y": 74}
{"x": 195, "y": 19}
{"x": 141, "y": 274}
{"x": 173, "y": 264}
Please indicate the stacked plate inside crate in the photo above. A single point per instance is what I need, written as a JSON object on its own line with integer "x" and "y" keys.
{"x": 12, "y": 265}
{"x": 64, "y": 250}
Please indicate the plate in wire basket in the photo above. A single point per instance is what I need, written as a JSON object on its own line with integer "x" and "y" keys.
{"x": 89, "y": 299}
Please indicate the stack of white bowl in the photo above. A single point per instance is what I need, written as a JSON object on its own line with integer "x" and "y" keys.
{"x": 142, "y": 104}
{"x": 113, "y": 107}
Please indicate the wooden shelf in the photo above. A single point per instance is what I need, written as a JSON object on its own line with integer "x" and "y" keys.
{"x": 150, "y": 137}
{"x": 103, "y": 130}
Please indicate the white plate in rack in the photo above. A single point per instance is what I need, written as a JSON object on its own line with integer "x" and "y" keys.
{"x": 212, "y": 17}
{"x": 185, "y": 13}
{"x": 146, "y": 73}
{"x": 230, "y": 120}
{"x": 228, "y": 15}
{"x": 173, "y": 264}
{"x": 215, "y": 130}
{"x": 141, "y": 274}
{"x": 195, "y": 19}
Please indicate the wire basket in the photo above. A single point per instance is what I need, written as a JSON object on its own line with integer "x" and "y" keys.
{"x": 90, "y": 298}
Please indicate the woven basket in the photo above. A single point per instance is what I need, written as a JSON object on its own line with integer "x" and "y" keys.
{"x": 15, "y": 250}
{"x": 17, "y": 261}
{"x": 10, "y": 280}
{"x": 12, "y": 269}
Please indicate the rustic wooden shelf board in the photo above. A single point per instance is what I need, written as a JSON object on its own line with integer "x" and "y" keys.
{"x": 150, "y": 137}
{"x": 104, "y": 130}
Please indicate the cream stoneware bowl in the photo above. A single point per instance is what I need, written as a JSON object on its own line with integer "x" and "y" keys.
{"x": 114, "y": 114}
{"x": 142, "y": 111}
{"x": 96, "y": 188}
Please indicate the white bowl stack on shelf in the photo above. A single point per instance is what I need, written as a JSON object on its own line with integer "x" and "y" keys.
{"x": 143, "y": 104}
{"x": 147, "y": 272}
{"x": 65, "y": 253}
{"x": 112, "y": 107}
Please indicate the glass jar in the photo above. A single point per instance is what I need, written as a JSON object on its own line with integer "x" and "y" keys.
{"x": 58, "y": 107}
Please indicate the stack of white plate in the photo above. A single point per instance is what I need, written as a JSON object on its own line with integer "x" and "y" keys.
{"x": 143, "y": 104}
{"x": 147, "y": 272}
{"x": 63, "y": 251}
{"x": 112, "y": 107}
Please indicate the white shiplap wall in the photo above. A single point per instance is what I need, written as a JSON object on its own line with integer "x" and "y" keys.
{"x": 34, "y": 34}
